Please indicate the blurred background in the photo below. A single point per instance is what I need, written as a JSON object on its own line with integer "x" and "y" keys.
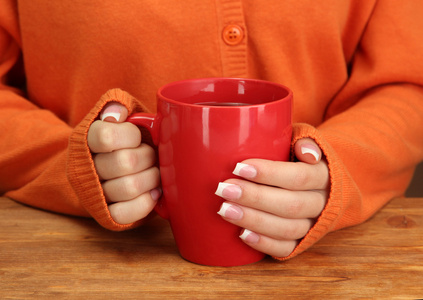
{"x": 416, "y": 187}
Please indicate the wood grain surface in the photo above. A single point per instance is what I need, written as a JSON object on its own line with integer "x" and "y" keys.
{"x": 50, "y": 256}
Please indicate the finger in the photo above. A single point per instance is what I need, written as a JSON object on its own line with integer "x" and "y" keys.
{"x": 277, "y": 201}
{"x": 124, "y": 162}
{"x": 106, "y": 137}
{"x": 114, "y": 112}
{"x": 131, "y": 186}
{"x": 136, "y": 209}
{"x": 264, "y": 223}
{"x": 276, "y": 248}
{"x": 306, "y": 150}
{"x": 288, "y": 175}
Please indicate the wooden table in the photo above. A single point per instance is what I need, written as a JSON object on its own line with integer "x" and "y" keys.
{"x": 46, "y": 255}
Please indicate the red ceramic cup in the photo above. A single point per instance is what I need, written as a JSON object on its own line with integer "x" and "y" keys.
{"x": 201, "y": 136}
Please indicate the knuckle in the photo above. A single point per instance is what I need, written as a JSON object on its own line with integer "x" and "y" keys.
{"x": 131, "y": 211}
{"x": 131, "y": 186}
{"x": 256, "y": 196}
{"x": 256, "y": 221}
{"x": 106, "y": 138}
{"x": 137, "y": 184}
{"x": 127, "y": 161}
{"x": 289, "y": 233}
{"x": 300, "y": 179}
{"x": 253, "y": 195}
{"x": 296, "y": 229}
{"x": 295, "y": 207}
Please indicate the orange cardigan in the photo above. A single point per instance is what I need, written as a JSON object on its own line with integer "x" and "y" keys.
{"x": 355, "y": 67}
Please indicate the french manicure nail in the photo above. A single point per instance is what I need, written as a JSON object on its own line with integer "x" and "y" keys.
{"x": 245, "y": 170}
{"x": 114, "y": 115}
{"x": 249, "y": 236}
{"x": 230, "y": 211}
{"x": 309, "y": 150}
{"x": 228, "y": 191}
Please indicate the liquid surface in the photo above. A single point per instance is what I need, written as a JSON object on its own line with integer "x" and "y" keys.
{"x": 222, "y": 104}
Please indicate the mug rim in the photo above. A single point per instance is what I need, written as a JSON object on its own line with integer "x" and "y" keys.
{"x": 286, "y": 98}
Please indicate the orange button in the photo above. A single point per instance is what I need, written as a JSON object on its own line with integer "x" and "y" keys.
{"x": 233, "y": 35}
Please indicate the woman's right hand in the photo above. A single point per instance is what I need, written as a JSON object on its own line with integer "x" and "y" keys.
{"x": 125, "y": 166}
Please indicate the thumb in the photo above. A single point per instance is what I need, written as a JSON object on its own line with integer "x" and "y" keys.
{"x": 306, "y": 150}
{"x": 114, "y": 112}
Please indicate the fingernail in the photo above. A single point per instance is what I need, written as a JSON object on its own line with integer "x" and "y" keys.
{"x": 228, "y": 191}
{"x": 114, "y": 115}
{"x": 245, "y": 170}
{"x": 310, "y": 150}
{"x": 156, "y": 193}
{"x": 230, "y": 211}
{"x": 249, "y": 237}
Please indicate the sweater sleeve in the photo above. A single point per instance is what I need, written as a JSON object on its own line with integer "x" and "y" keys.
{"x": 372, "y": 137}
{"x": 47, "y": 164}
{"x": 44, "y": 162}
{"x": 81, "y": 171}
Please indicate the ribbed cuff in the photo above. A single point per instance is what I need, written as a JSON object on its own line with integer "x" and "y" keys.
{"x": 81, "y": 170}
{"x": 325, "y": 223}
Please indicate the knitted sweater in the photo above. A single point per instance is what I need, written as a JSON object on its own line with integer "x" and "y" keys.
{"x": 355, "y": 68}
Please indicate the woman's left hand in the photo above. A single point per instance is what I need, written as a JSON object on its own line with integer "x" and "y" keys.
{"x": 276, "y": 202}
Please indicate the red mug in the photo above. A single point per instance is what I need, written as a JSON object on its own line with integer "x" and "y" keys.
{"x": 203, "y": 128}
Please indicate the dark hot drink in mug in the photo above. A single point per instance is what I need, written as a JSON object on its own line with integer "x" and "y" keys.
{"x": 221, "y": 104}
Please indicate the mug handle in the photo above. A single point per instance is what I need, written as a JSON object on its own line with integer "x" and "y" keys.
{"x": 151, "y": 123}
